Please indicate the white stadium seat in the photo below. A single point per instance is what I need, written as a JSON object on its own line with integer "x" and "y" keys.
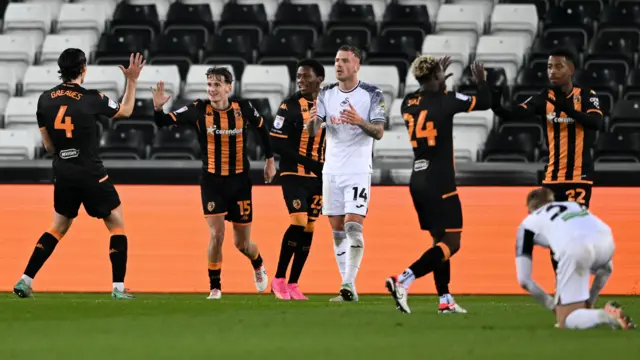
{"x": 270, "y": 81}
{"x": 502, "y": 51}
{"x": 487, "y": 5}
{"x": 384, "y": 77}
{"x": 395, "y": 116}
{"x": 40, "y": 78}
{"x": 324, "y": 6}
{"x": 481, "y": 121}
{"x": 32, "y": 19}
{"x": 17, "y": 144}
{"x": 54, "y": 44}
{"x": 83, "y": 18}
{"x": 196, "y": 83}
{"x": 410, "y": 83}
{"x": 394, "y": 145}
{"x": 54, "y": 5}
{"x": 17, "y": 52}
{"x": 21, "y": 113}
{"x": 108, "y": 79}
{"x": 470, "y": 131}
{"x": 7, "y": 87}
{"x": 150, "y": 76}
{"x": 270, "y": 6}
{"x": 109, "y": 6}
{"x": 468, "y": 19}
{"x": 458, "y": 46}
{"x": 517, "y": 20}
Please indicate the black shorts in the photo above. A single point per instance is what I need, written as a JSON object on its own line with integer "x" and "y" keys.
{"x": 438, "y": 213}
{"x": 227, "y": 195}
{"x": 302, "y": 194}
{"x": 98, "y": 195}
{"x": 570, "y": 191}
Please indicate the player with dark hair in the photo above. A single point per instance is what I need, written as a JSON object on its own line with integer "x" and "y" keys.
{"x": 67, "y": 116}
{"x": 225, "y": 185}
{"x": 301, "y": 160}
{"x": 572, "y": 118}
{"x": 583, "y": 245}
{"x": 428, "y": 114}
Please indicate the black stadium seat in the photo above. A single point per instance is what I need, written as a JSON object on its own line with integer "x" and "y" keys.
{"x": 632, "y": 90}
{"x": 576, "y": 39}
{"x": 142, "y": 20}
{"x": 122, "y": 144}
{"x": 389, "y": 50}
{"x": 195, "y": 20}
{"x": 496, "y": 78}
{"x": 534, "y": 130}
{"x": 625, "y": 113}
{"x": 600, "y": 81}
{"x": 353, "y": 19}
{"x": 570, "y": 16}
{"x": 624, "y": 13}
{"x": 590, "y": 8}
{"x": 236, "y": 51}
{"x": 304, "y": 19}
{"x": 607, "y": 68}
{"x": 406, "y": 20}
{"x": 534, "y": 74}
{"x": 501, "y": 147}
{"x": 142, "y": 109}
{"x": 116, "y": 49}
{"x": 171, "y": 50}
{"x": 617, "y": 147}
{"x": 622, "y": 43}
{"x": 178, "y": 143}
{"x": 284, "y": 48}
{"x": 246, "y": 20}
{"x": 147, "y": 128}
{"x": 325, "y": 48}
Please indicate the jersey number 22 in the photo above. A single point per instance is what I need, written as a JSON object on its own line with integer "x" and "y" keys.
{"x": 420, "y": 129}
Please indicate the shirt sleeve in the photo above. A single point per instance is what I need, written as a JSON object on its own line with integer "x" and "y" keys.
{"x": 253, "y": 116}
{"x": 459, "y": 102}
{"x": 524, "y": 242}
{"x": 104, "y": 105}
{"x": 377, "y": 110}
{"x": 320, "y": 103}
{"x": 592, "y": 105}
{"x": 186, "y": 115}
{"x": 534, "y": 105}
{"x": 282, "y": 124}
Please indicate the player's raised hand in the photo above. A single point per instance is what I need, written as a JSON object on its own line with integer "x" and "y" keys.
{"x": 351, "y": 116}
{"x": 269, "y": 170}
{"x": 478, "y": 73}
{"x": 136, "y": 63}
{"x": 313, "y": 112}
{"x": 445, "y": 61}
{"x": 159, "y": 98}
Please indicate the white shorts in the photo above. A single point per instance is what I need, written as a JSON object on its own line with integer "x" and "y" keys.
{"x": 345, "y": 194}
{"x": 576, "y": 262}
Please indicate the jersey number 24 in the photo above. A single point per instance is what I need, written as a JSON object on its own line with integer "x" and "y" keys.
{"x": 420, "y": 129}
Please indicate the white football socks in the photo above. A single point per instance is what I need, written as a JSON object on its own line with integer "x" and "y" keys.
{"x": 587, "y": 319}
{"x": 27, "y": 279}
{"x": 406, "y": 278}
{"x": 340, "y": 247}
{"x": 355, "y": 251}
{"x": 118, "y": 286}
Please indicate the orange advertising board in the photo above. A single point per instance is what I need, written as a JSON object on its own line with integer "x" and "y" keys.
{"x": 168, "y": 239}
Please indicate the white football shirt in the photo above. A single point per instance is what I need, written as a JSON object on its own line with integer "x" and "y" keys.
{"x": 557, "y": 224}
{"x": 349, "y": 150}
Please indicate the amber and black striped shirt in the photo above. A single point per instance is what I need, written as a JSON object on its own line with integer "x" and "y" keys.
{"x": 222, "y": 133}
{"x": 569, "y": 140}
{"x": 289, "y": 124}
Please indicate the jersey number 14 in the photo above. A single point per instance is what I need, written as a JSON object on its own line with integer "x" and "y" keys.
{"x": 64, "y": 122}
{"x": 421, "y": 129}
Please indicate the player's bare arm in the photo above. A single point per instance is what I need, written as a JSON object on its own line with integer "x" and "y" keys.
{"x": 373, "y": 129}
{"x": 131, "y": 73}
{"x": 46, "y": 141}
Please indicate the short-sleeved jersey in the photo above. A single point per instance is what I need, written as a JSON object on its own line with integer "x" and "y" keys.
{"x": 569, "y": 142}
{"x": 69, "y": 113}
{"x": 349, "y": 149}
{"x": 555, "y": 225}
{"x": 290, "y": 121}
{"x": 222, "y": 133}
{"x": 429, "y": 121}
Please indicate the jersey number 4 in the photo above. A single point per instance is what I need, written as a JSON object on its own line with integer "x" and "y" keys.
{"x": 64, "y": 122}
{"x": 421, "y": 129}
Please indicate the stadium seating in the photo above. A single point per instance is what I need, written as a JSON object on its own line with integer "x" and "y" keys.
{"x": 261, "y": 41}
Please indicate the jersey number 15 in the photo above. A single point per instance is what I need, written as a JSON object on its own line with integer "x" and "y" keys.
{"x": 420, "y": 129}
{"x": 64, "y": 122}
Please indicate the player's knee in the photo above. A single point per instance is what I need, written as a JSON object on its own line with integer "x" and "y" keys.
{"x": 452, "y": 241}
{"x": 354, "y": 233}
{"x": 310, "y": 227}
{"x": 216, "y": 238}
{"x": 299, "y": 220}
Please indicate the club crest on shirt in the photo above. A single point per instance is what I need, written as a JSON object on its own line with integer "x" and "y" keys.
{"x": 113, "y": 104}
{"x": 345, "y": 102}
{"x": 211, "y": 205}
{"x": 237, "y": 113}
{"x": 296, "y": 204}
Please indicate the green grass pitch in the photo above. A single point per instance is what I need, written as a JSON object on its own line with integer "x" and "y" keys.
{"x": 167, "y": 326}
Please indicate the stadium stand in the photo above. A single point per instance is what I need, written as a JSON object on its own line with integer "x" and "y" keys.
{"x": 262, "y": 40}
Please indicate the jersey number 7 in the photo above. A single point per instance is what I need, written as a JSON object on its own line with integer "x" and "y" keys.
{"x": 421, "y": 130}
{"x": 64, "y": 122}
